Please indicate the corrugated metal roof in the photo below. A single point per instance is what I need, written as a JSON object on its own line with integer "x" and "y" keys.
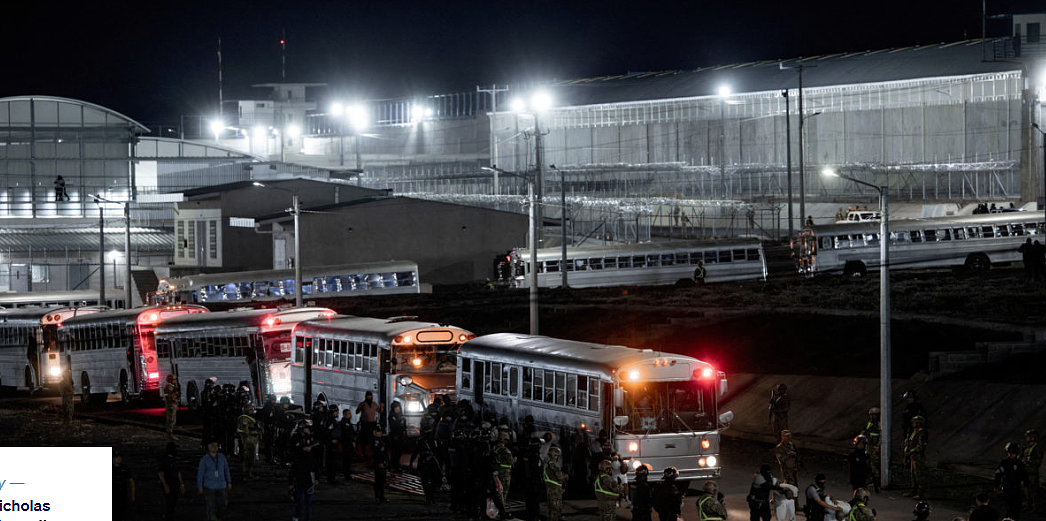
{"x": 845, "y": 68}
{"x": 83, "y": 238}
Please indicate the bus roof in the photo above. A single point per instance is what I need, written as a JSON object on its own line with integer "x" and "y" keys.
{"x": 128, "y": 316}
{"x": 59, "y": 298}
{"x": 34, "y": 313}
{"x": 245, "y": 318}
{"x": 307, "y": 273}
{"x": 528, "y": 349}
{"x": 385, "y": 328}
{"x": 925, "y": 223}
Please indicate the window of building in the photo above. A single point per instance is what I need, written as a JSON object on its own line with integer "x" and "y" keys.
{"x": 212, "y": 238}
{"x": 41, "y": 273}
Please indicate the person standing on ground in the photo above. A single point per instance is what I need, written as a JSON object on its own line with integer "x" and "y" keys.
{"x": 667, "y": 497}
{"x": 784, "y": 502}
{"x": 171, "y": 480}
{"x": 982, "y": 511}
{"x": 1032, "y": 458}
{"x": 759, "y": 494}
{"x": 381, "y": 464}
{"x": 123, "y": 487}
{"x": 555, "y": 479}
{"x": 172, "y": 395}
{"x": 59, "y": 190}
{"x": 1027, "y": 251}
{"x": 816, "y": 507}
{"x": 872, "y": 433}
{"x": 608, "y": 492}
{"x": 912, "y": 409}
{"x": 710, "y": 506}
{"x": 368, "y": 413}
{"x": 642, "y": 495}
{"x": 66, "y": 390}
{"x": 348, "y": 442}
{"x": 250, "y": 433}
{"x": 1010, "y": 480}
{"x": 503, "y": 461}
{"x": 303, "y": 481}
{"x": 788, "y": 458}
{"x": 859, "y": 464}
{"x": 699, "y": 274}
{"x": 398, "y": 434}
{"x": 428, "y": 468}
{"x": 915, "y": 453}
{"x": 213, "y": 481}
{"x": 780, "y": 402}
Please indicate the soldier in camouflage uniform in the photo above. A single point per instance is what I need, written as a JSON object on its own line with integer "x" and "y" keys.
{"x": 250, "y": 432}
{"x": 788, "y": 458}
{"x": 871, "y": 431}
{"x": 66, "y": 390}
{"x": 860, "y": 510}
{"x": 503, "y": 461}
{"x": 171, "y": 396}
{"x": 710, "y": 503}
{"x": 608, "y": 491}
{"x": 555, "y": 479}
{"x": 915, "y": 453}
{"x": 1032, "y": 458}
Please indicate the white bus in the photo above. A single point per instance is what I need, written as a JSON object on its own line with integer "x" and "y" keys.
{"x": 24, "y": 335}
{"x": 114, "y": 351}
{"x": 973, "y": 241}
{"x": 399, "y": 359}
{"x": 659, "y": 409}
{"x": 114, "y": 298}
{"x": 642, "y": 264}
{"x": 252, "y": 346}
{"x": 349, "y": 280}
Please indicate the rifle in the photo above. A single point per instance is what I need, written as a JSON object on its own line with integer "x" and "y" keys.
{"x": 773, "y": 401}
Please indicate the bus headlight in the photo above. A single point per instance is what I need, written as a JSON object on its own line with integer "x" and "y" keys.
{"x": 712, "y": 461}
{"x": 414, "y": 406}
{"x": 705, "y": 443}
{"x": 633, "y": 446}
{"x": 701, "y": 462}
{"x": 636, "y": 464}
{"x": 55, "y": 370}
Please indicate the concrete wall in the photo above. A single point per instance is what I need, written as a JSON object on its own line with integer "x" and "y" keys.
{"x": 451, "y": 243}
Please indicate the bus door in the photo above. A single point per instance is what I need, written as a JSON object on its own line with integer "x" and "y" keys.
{"x": 255, "y": 353}
{"x": 384, "y": 382}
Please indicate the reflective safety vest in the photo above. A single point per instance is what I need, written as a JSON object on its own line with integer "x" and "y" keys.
{"x": 601, "y": 490}
{"x": 701, "y": 512}
{"x": 549, "y": 480}
{"x": 853, "y": 511}
{"x": 499, "y": 450}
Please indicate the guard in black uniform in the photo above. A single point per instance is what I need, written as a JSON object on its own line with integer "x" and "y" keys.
{"x": 1010, "y": 480}
{"x": 668, "y": 499}
{"x": 642, "y": 495}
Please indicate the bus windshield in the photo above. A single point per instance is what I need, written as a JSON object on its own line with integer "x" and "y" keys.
{"x": 659, "y": 407}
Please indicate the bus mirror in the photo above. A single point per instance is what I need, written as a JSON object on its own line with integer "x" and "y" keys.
{"x": 726, "y": 418}
{"x": 620, "y": 421}
{"x": 619, "y": 397}
{"x": 722, "y": 385}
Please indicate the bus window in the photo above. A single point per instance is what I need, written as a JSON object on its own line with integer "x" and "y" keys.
{"x": 1031, "y": 229}
{"x": 539, "y": 384}
{"x": 899, "y": 237}
{"x": 653, "y": 260}
{"x": 931, "y": 235}
{"x": 724, "y": 256}
{"x": 638, "y": 261}
{"x": 1004, "y": 230}
{"x": 753, "y": 254}
{"x": 682, "y": 258}
{"x": 826, "y": 243}
{"x": 582, "y": 392}
{"x": 695, "y": 257}
{"x": 1018, "y": 229}
{"x": 495, "y": 383}
{"x": 711, "y": 257}
{"x": 571, "y": 390}
{"x": 988, "y": 231}
{"x": 561, "y": 384}
{"x": 959, "y": 234}
{"x": 513, "y": 381}
{"x": 551, "y": 266}
{"x": 595, "y": 264}
{"x": 916, "y": 235}
{"x": 593, "y": 394}
{"x": 668, "y": 259}
{"x": 739, "y": 255}
{"x": 610, "y": 263}
{"x": 466, "y": 373}
{"x": 528, "y": 380}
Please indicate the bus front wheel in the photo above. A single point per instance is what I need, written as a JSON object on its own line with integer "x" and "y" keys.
{"x": 978, "y": 262}
{"x": 855, "y": 269}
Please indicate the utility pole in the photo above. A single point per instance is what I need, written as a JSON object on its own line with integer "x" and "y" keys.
{"x": 493, "y": 91}
{"x": 563, "y": 223}
{"x": 220, "y": 115}
{"x": 128, "y": 299}
{"x": 802, "y": 150}
{"x": 788, "y": 158}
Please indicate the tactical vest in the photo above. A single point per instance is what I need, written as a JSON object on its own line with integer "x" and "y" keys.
{"x": 600, "y": 490}
{"x": 701, "y": 512}
{"x": 556, "y": 483}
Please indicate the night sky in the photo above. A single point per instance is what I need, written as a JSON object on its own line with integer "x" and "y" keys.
{"x": 157, "y": 60}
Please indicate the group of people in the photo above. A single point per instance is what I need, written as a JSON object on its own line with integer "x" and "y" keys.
{"x": 1033, "y": 254}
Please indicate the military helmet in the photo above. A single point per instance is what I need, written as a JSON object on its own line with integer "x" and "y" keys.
{"x": 919, "y": 420}
{"x": 860, "y": 438}
{"x": 642, "y": 472}
{"x": 503, "y": 436}
{"x": 862, "y": 494}
{"x": 332, "y": 407}
{"x": 670, "y": 474}
{"x": 285, "y": 400}
{"x": 1013, "y": 448}
{"x": 874, "y": 410}
{"x": 711, "y": 487}
{"x": 782, "y": 388}
{"x": 922, "y": 507}
{"x": 247, "y": 409}
{"x": 1032, "y": 433}
{"x": 554, "y": 452}
{"x": 605, "y": 466}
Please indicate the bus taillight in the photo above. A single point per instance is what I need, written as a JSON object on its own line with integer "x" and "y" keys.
{"x": 154, "y": 376}
{"x": 707, "y": 372}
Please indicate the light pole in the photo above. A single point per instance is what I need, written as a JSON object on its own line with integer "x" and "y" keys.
{"x": 336, "y": 110}
{"x": 1036, "y": 125}
{"x": 128, "y": 300}
{"x": 359, "y": 122}
{"x": 562, "y": 222}
{"x": 533, "y": 246}
{"x": 788, "y": 158}
{"x": 885, "y": 377}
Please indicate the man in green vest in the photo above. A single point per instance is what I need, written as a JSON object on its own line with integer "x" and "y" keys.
{"x": 915, "y": 453}
{"x": 872, "y": 432}
{"x": 249, "y": 430}
{"x": 710, "y": 503}
{"x": 699, "y": 274}
{"x": 503, "y": 459}
{"x": 555, "y": 479}
{"x": 1032, "y": 458}
{"x": 860, "y": 510}
{"x": 608, "y": 491}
